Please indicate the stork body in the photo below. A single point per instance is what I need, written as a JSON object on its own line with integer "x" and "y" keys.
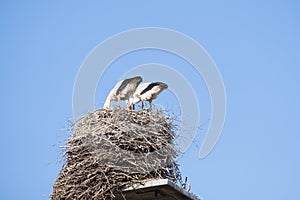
{"x": 122, "y": 91}
{"x": 148, "y": 92}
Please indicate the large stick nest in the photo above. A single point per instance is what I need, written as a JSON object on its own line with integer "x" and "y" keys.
{"x": 111, "y": 149}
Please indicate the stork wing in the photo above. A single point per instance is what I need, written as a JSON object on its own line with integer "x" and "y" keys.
{"x": 126, "y": 82}
{"x": 141, "y": 88}
{"x": 149, "y": 87}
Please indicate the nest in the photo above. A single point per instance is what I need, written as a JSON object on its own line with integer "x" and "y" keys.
{"x": 111, "y": 149}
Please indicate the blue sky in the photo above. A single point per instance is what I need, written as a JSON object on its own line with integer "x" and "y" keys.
{"x": 255, "y": 45}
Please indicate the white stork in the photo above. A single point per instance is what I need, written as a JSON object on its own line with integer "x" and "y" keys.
{"x": 147, "y": 92}
{"x": 122, "y": 91}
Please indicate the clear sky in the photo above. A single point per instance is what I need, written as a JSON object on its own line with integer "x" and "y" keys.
{"x": 255, "y": 45}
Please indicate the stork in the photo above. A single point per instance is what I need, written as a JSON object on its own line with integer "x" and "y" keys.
{"x": 147, "y": 92}
{"x": 122, "y": 91}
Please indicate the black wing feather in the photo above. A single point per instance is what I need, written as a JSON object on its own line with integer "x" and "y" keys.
{"x": 150, "y": 86}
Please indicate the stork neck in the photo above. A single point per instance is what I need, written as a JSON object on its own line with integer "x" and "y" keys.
{"x": 108, "y": 101}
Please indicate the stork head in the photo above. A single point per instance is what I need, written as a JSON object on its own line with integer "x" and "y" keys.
{"x": 133, "y": 101}
{"x": 130, "y": 101}
{"x": 106, "y": 107}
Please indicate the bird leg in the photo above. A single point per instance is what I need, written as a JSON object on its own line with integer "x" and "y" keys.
{"x": 150, "y": 102}
{"x": 128, "y": 105}
{"x": 119, "y": 102}
{"x": 142, "y": 105}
